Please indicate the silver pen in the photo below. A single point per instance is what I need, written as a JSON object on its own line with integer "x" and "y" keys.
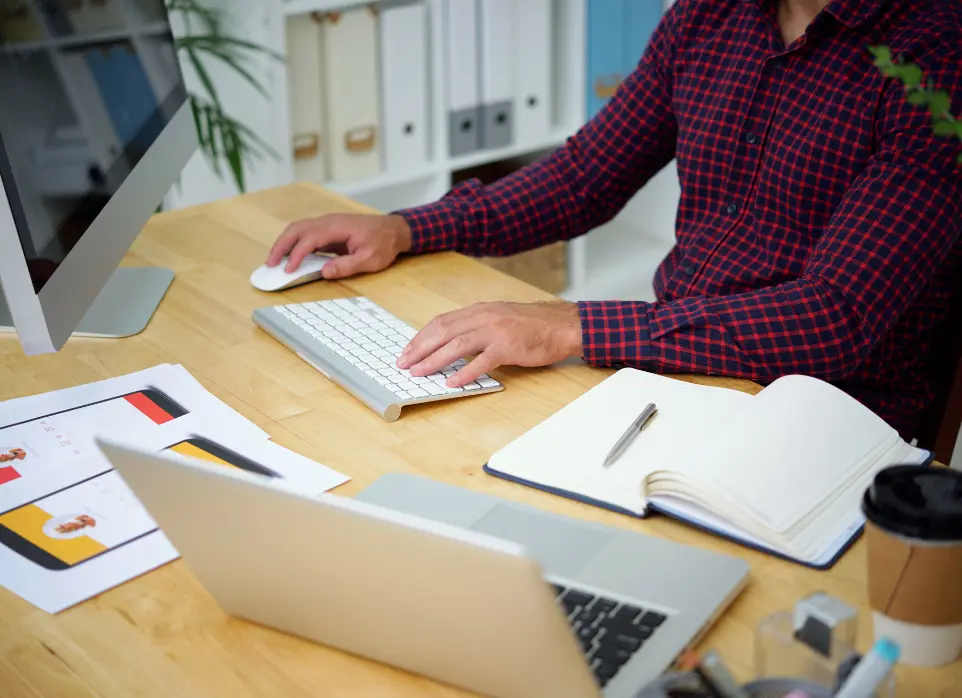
{"x": 636, "y": 427}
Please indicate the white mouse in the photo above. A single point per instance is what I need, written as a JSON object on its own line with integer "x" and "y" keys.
{"x": 267, "y": 278}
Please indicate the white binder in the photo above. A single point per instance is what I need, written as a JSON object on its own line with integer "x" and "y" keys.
{"x": 533, "y": 94}
{"x": 305, "y": 92}
{"x": 464, "y": 97}
{"x": 499, "y": 25}
{"x": 353, "y": 108}
{"x": 404, "y": 85}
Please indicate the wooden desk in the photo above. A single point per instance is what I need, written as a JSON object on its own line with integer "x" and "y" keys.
{"x": 161, "y": 635}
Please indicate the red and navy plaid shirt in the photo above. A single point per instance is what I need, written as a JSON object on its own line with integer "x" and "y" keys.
{"x": 818, "y": 226}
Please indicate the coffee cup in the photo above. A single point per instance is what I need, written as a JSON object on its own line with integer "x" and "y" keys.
{"x": 914, "y": 537}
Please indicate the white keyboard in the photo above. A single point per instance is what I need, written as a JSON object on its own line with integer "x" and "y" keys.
{"x": 356, "y": 343}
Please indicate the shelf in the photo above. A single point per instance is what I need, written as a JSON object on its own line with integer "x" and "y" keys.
{"x": 483, "y": 157}
{"x": 381, "y": 181}
{"x": 302, "y": 7}
{"x": 152, "y": 29}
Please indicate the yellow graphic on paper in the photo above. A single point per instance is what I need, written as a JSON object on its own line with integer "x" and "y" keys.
{"x": 191, "y": 450}
{"x": 28, "y": 523}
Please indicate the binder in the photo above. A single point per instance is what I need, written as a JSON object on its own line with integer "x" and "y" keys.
{"x": 498, "y": 25}
{"x": 353, "y": 106}
{"x": 404, "y": 84}
{"x": 606, "y": 51}
{"x": 306, "y": 95}
{"x": 534, "y": 60}
{"x": 461, "y": 50}
{"x": 641, "y": 20}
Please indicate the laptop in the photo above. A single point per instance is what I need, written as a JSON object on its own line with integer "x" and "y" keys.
{"x": 471, "y": 590}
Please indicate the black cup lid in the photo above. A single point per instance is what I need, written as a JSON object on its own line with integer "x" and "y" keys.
{"x": 918, "y": 502}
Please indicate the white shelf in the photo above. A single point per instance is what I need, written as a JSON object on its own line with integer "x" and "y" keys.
{"x": 78, "y": 40}
{"x": 300, "y": 7}
{"x": 483, "y": 157}
{"x": 381, "y": 181}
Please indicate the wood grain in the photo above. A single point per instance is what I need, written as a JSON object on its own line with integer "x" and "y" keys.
{"x": 161, "y": 635}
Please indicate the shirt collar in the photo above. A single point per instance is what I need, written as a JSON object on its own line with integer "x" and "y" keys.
{"x": 851, "y": 13}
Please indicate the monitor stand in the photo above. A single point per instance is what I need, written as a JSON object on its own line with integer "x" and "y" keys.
{"x": 124, "y": 306}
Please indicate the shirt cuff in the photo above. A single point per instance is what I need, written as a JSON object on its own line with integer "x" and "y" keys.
{"x": 615, "y": 333}
{"x": 434, "y": 227}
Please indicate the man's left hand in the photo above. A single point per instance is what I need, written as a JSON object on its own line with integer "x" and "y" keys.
{"x": 515, "y": 334}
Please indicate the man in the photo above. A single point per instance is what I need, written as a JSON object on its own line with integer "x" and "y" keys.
{"x": 818, "y": 227}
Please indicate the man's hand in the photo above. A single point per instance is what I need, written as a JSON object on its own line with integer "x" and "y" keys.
{"x": 366, "y": 243}
{"x": 517, "y": 334}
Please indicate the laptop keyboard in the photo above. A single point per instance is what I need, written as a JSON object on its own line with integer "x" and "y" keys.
{"x": 609, "y": 632}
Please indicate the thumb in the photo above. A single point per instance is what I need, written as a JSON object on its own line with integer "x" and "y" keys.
{"x": 342, "y": 267}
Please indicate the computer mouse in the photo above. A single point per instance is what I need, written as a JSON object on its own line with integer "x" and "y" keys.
{"x": 267, "y": 278}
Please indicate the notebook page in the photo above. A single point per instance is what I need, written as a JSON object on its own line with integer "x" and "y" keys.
{"x": 789, "y": 449}
{"x": 568, "y": 449}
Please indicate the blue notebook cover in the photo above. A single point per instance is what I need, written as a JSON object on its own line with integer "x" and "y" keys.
{"x": 842, "y": 548}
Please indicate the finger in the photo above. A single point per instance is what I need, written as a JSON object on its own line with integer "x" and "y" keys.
{"x": 462, "y": 345}
{"x": 283, "y": 244}
{"x": 483, "y": 363}
{"x": 345, "y": 266}
{"x": 305, "y": 246}
{"x": 436, "y": 334}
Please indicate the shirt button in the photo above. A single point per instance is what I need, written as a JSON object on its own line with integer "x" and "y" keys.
{"x": 751, "y": 138}
{"x": 688, "y": 269}
{"x": 732, "y": 209}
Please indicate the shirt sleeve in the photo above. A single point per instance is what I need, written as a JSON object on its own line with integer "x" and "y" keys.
{"x": 583, "y": 184}
{"x": 896, "y": 226}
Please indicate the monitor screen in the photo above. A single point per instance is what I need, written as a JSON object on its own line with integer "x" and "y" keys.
{"x": 87, "y": 85}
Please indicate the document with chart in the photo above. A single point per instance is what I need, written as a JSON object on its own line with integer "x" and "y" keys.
{"x": 70, "y": 528}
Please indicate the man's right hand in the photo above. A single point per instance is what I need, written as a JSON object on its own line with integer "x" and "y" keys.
{"x": 365, "y": 243}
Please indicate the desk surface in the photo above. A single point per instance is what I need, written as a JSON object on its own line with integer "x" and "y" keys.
{"x": 162, "y": 635}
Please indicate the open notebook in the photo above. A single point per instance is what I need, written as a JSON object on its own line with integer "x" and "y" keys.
{"x": 783, "y": 470}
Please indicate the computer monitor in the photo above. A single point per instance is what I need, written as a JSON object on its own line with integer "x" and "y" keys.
{"x": 95, "y": 128}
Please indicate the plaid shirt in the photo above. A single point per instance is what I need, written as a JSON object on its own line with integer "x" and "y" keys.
{"x": 818, "y": 226}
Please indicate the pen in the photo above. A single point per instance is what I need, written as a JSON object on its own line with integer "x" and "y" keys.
{"x": 636, "y": 426}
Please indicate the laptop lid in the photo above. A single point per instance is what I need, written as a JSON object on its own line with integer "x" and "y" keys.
{"x": 458, "y": 606}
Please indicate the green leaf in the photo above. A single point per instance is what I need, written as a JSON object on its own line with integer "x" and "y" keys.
{"x": 202, "y": 74}
{"x": 233, "y": 148}
{"x": 919, "y": 98}
{"x": 883, "y": 54}
{"x": 891, "y": 71}
{"x": 945, "y": 128}
{"x": 940, "y": 103}
{"x": 911, "y": 75}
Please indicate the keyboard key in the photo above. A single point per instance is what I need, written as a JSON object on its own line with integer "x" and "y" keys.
{"x": 372, "y": 373}
{"x": 626, "y": 613}
{"x": 417, "y": 392}
{"x": 384, "y": 381}
{"x": 603, "y": 605}
{"x": 407, "y": 385}
{"x": 387, "y": 372}
{"x": 652, "y": 619}
{"x": 612, "y": 654}
{"x": 587, "y": 632}
{"x": 401, "y": 394}
{"x": 433, "y": 389}
{"x": 419, "y": 380}
{"x": 624, "y": 641}
{"x": 472, "y": 386}
{"x": 605, "y": 670}
{"x": 579, "y": 597}
{"x": 407, "y": 332}
{"x": 488, "y": 383}
{"x": 437, "y": 377}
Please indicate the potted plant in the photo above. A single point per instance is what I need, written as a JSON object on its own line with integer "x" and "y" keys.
{"x": 225, "y": 141}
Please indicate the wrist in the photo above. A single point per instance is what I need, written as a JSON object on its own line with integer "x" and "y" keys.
{"x": 403, "y": 239}
{"x": 572, "y": 335}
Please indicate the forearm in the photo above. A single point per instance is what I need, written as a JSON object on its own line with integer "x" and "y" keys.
{"x": 804, "y": 326}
